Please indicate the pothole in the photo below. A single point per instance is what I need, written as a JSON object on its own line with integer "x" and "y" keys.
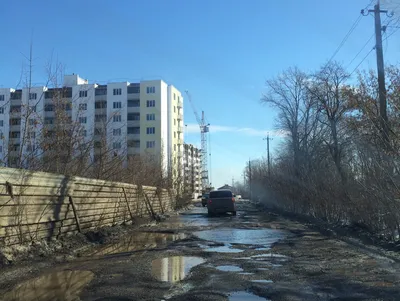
{"x": 262, "y": 281}
{"x": 244, "y": 296}
{"x": 174, "y": 269}
{"x": 229, "y": 268}
{"x": 261, "y": 237}
{"x": 64, "y": 285}
{"x": 223, "y": 249}
{"x": 138, "y": 241}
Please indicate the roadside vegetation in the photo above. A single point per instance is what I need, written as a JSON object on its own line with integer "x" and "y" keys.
{"x": 338, "y": 163}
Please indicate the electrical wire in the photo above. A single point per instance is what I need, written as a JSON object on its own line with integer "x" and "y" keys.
{"x": 369, "y": 52}
{"x": 356, "y": 56}
{"x": 355, "y": 24}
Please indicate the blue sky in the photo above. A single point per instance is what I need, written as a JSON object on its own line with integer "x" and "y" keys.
{"x": 222, "y": 51}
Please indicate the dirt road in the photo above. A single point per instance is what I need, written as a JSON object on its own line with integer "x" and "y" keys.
{"x": 251, "y": 256}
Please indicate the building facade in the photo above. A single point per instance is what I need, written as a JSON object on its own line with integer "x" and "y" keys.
{"x": 129, "y": 118}
{"x": 192, "y": 170}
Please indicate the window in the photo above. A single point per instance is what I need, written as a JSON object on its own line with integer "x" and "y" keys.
{"x": 30, "y": 148}
{"x": 2, "y": 110}
{"x": 32, "y": 95}
{"x": 117, "y": 118}
{"x": 33, "y": 121}
{"x": 174, "y": 109}
{"x": 133, "y": 116}
{"x": 15, "y": 147}
{"x": 133, "y": 103}
{"x": 68, "y": 107}
{"x": 179, "y": 98}
{"x": 151, "y": 103}
{"x": 98, "y": 132}
{"x": 174, "y": 134}
{"x": 48, "y": 108}
{"x": 133, "y": 130}
{"x": 100, "y": 105}
{"x": 82, "y": 106}
{"x": 15, "y": 121}
{"x": 100, "y": 117}
{"x": 1, "y": 148}
{"x": 174, "y": 96}
{"x": 82, "y": 120}
{"x": 2, "y": 97}
{"x": 83, "y": 93}
{"x": 117, "y": 132}
{"x": 134, "y": 143}
{"x": 150, "y": 144}
{"x": 15, "y": 135}
{"x": 134, "y": 89}
{"x": 48, "y": 120}
{"x": 150, "y": 117}
{"x": 97, "y": 144}
{"x": 117, "y": 91}
{"x": 151, "y": 130}
{"x": 116, "y": 145}
{"x": 1, "y": 122}
{"x": 174, "y": 147}
{"x": 220, "y": 194}
{"x": 151, "y": 90}
{"x": 31, "y": 135}
{"x": 174, "y": 121}
{"x": 101, "y": 91}
{"x": 83, "y": 133}
{"x": 33, "y": 108}
{"x": 117, "y": 105}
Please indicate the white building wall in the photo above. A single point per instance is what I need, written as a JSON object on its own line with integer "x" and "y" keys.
{"x": 32, "y": 120}
{"x": 165, "y": 127}
{"x": 117, "y": 93}
{"x": 83, "y": 107}
{"x": 4, "y": 123}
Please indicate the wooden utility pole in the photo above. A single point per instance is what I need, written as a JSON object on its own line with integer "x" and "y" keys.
{"x": 381, "y": 70}
{"x": 251, "y": 196}
{"x": 268, "y": 156}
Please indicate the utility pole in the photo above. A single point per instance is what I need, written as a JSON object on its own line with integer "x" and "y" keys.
{"x": 251, "y": 196}
{"x": 381, "y": 69}
{"x": 268, "y": 156}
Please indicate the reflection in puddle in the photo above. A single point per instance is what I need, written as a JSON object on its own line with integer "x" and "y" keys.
{"x": 265, "y": 237}
{"x": 262, "y": 281}
{"x": 223, "y": 249}
{"x": 244, "y": 296}
{"x": 138, "y": 241}
{"x": 246, "y": 274}
{"x": 64, "y": 285}
{"x": 174, "y": 269}
{"x": 229, "y": 268}
{"x": 269, "y": 257}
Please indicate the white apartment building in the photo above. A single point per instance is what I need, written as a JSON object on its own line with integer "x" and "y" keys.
{"x": 192, "y": 170}
{"x": 136, "y": 118}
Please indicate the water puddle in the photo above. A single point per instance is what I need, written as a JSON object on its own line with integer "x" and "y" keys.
{"x": 63, "y": 285}
{"x": 246, "y": 274}
{"x": 223, "y": 249}
{"x": 138, "y": 241}
{"x": 229, "y": 268}
{"x": 269, "y": 256}
{"x": 174, "y": 269}
{"x": 261, "y": 237}
{"x": 244, "y": 296}
{"x": 262, "y": 281}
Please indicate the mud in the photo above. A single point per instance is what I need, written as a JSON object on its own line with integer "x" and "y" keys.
{"x": 288, "y": 261}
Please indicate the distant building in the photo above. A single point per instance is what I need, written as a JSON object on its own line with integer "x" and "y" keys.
{"x": 192, "y": 170}
{"x": 226, "y": 186}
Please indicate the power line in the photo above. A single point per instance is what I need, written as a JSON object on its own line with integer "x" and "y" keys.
{"x": 356, "y": 56}
{"x": 346, "y": 37}
{"x": 369, "y": 52}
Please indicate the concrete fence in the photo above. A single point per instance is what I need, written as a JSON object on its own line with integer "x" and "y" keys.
{"x": 38, "y": 205}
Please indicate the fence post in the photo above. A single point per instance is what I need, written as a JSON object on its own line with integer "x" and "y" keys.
{"x": 78, "y": 224}
{"x": 127, "y": 204}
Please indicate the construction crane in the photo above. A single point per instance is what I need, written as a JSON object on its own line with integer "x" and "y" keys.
{"x": 204, "y": 129}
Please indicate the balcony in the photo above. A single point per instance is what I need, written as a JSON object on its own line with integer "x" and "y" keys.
{"x": 180, "y": 129}
{"x": 180, "y": 104}
{"x": 180, "y": 116}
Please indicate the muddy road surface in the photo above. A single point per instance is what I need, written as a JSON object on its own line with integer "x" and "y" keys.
{"x": 252, "y": 256}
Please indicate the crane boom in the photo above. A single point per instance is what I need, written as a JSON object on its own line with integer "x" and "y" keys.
{"x": 204, "y": 129}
